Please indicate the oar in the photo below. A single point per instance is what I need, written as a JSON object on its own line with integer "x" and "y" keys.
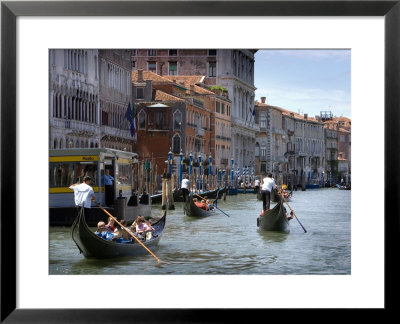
{"x": 213, "y": 205}
{"x": 294, "y": 214}
{"x": 128, "y": 232}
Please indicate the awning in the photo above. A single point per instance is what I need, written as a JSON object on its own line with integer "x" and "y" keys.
{"x": 158, "y": 105}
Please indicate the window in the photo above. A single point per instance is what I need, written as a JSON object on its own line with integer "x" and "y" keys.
{"x": 173, "y": 68}
{"x": 133, "y": 64}
{"x": 177, "y": 120}
{"x": 139, "y": 93}
{"x": 222, "y": 108}
{"x": 176, "y": 144}
{"x": 142, "y": 120}
{"x": 152, "y": 52}
{"x": 263, "y": 151}
{"x": 152, "y": 66}
{"x": 217, "y": 107}
{"x": 263, "y": 121}
{"x": 212, "y": 52}
{"x": 173, "y": 52}
{"x": 133, "y": 52}
{"x": 212, "y": 69}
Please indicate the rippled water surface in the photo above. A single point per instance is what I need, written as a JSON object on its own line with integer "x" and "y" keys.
{"x": 232, "y": 245}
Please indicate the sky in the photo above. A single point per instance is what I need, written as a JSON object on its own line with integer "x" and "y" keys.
{"x": 305, "y": 81}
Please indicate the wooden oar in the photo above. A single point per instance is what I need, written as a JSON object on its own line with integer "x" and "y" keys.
{"x": 128, "y": 232}
{"x": 293, "y": 213}
{"x": 213, "y": 205}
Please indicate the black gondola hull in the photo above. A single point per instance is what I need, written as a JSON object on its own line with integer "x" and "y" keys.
{"x": 93, "y": 246}
{"x": 274, "y": 219}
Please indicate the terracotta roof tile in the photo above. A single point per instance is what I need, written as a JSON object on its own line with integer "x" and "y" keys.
{"x": 148, "y": 75}
{"x": 165, "y": 97}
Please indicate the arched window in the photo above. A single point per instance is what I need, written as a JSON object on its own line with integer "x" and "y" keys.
{"x": 55, "y": 143}
{"x": 177, "y": 120}
{"x": 142, "y": 119}
{"x": 176, "y": 144}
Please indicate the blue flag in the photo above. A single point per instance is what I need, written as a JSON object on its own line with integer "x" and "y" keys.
{"x": 130, "y": 115}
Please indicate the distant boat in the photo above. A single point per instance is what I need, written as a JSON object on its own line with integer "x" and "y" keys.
{"x": 192, "y": 210}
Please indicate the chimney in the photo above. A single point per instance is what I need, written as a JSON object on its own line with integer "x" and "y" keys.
{"x": 140, "y": 75}
{"x": 263, "y": 100}
{"x": 305, "y": 116}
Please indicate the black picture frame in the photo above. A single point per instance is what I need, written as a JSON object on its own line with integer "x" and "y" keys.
{"x": 10, "y": 10}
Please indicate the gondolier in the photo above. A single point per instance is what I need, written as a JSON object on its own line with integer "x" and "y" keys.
{"x": 267, "y": 187}
{"x": 83, "y": 194}
{"x": 185, "y": 186}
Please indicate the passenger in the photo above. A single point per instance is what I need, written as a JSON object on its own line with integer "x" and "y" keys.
{"x": 110, "y": 224}
{"x": 143, "y": 227}
{"x": 122, "y": 235}
{"x": 103, "y": 231}
{"x": 101, "y": 227}
{"x": 204, "y": 204}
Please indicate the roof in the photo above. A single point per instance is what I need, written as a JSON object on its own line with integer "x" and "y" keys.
{"x": 165, "y": 97}
{"x": 287, "y": 112}
{"x": 148, "y": 75}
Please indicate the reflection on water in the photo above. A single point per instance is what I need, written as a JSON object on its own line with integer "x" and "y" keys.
{"x": 232, "y": 245}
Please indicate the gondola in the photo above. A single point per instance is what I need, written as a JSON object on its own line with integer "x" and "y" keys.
{"x": 274, "y": 219}
{"x": 93, "y": 246}
{"x": 192, "y": 210}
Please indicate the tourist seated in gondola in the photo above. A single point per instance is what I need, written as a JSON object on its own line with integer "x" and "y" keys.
{"x": 103, "y": 231}
{"x": 143, "y": 228}
{"x": 121, "y": 235}
{"x": 110, "y": 224}
{"x": 209, "y": 203}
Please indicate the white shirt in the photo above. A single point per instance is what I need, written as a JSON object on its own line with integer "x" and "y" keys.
{"x": 268, "y": 184}
{"x": 82, "y": 194}
{"x": 185, "y": 183}
{"x": 257, "y": 182}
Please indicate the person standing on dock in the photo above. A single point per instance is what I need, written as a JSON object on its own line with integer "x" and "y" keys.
{"x": 256, "y": 185}
{"x": 108, "y": 187}
{"x": 268, "y": 185}
{"x": 83, "y": 194}
{"x": 185, "y": 186}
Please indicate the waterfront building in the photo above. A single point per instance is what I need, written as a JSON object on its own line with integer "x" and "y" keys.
{"x": 115, "y": 92}
{"x": 74, "y": 99}
{"x": 344, "y": 147}
{"x": 289, "y": 145}
{"x": 230, "y": 69}
{"x": 331, "y": 152}
{"x": 173, "y": 113}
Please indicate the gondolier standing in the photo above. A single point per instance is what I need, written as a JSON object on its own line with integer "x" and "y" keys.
{"x": 267, "y": 187}
{"x": 185, "y": 186}
{"x": 83, "y": 194}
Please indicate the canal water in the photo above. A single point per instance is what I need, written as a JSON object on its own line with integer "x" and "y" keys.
{"x": 220, "y": 244}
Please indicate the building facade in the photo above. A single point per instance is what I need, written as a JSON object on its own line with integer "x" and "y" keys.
{"x": 115, "y": 94}
{"x": 74, "y": 99}
{"x": 289, "y": 145}
{"x": 231, "y": 69}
